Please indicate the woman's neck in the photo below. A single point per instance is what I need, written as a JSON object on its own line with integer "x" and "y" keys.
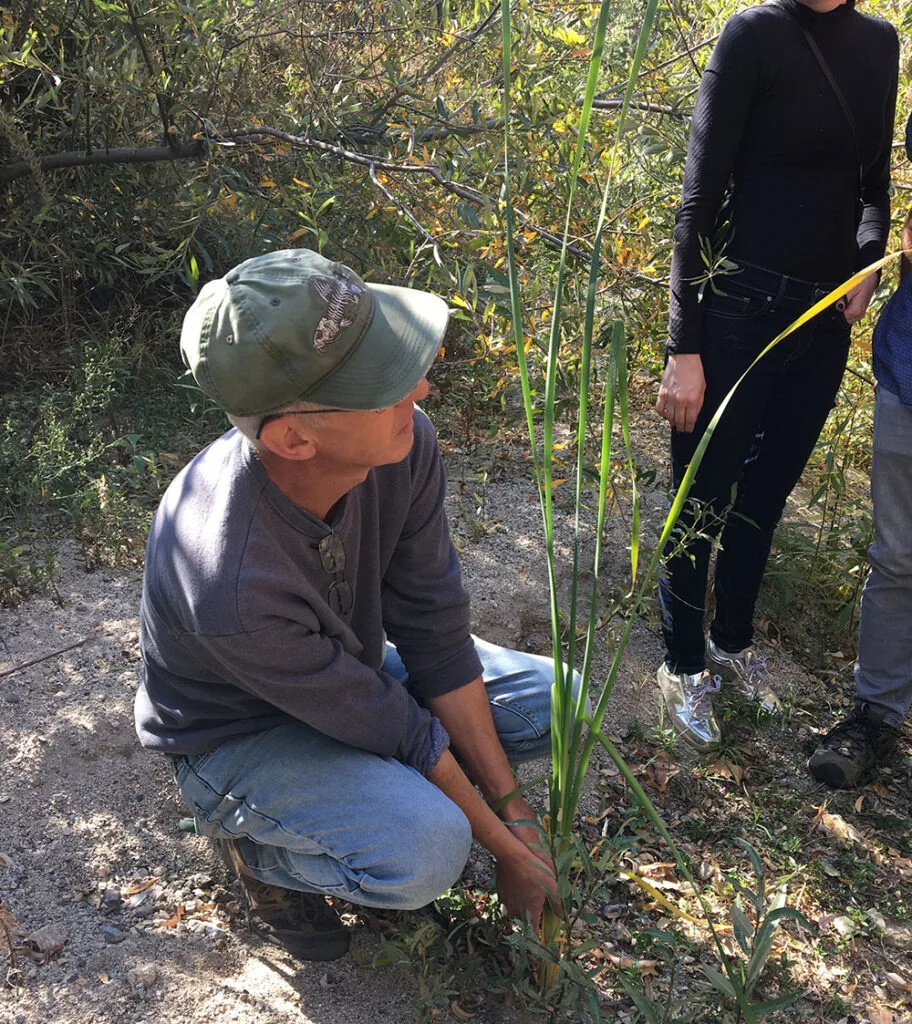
{"x": 822, "y": 6}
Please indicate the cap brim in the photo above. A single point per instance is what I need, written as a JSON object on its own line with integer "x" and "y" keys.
{"x": 396, "y": 351}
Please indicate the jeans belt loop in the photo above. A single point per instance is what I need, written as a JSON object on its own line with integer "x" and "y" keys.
{"x": 780, "y": 291}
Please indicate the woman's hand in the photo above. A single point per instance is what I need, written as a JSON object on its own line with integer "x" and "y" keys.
{"x": 856, "y": 301}
{"x": 681, "y": 392}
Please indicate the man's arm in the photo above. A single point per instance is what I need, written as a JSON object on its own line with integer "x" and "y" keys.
{"x": 466, "y": 715}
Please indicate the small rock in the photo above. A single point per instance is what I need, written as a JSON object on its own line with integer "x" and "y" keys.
{"x": 896, "y": 934}
{"x": 143, "y": 975}
{"x": 48, "y": 937}
{"x": 12, "y": 698}
{"x": 111, "y": 901}
{"x": 112, "y": 934}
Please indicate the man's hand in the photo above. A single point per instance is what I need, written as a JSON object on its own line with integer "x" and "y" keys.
{"x": 856, "y": 301}
{"x": 516, "y": 812}
{"x": 681, "y": 392}
{"x": 524, "y": 883}
{"x": 524, "y": 877}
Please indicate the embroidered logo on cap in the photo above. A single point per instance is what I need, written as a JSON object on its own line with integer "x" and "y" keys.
{"x": 341, "y": 297}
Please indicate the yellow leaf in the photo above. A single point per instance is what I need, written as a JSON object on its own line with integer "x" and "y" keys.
{"x": 659, "y": 898}
{"x": 371, "y": 213}
{"x": 268, "y": 183}
{"x": 558, "y": 482}
{"x": 568, "y": 36}
{"x": 303, "y": 184}
{"x": 299, "y": 232}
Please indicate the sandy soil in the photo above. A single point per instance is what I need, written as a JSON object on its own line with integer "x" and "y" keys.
{"x": 139, "y": 920}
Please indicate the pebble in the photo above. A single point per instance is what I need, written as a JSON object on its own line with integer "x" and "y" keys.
{"x": 13, "y": 698}
{"x": 48, "y": 937}
{"x": 143, "y": 975}
{"x": 111, "y": 901}
{"x": 112, "y": 934}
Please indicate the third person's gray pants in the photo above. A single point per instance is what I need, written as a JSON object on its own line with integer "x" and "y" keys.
{"x": 883, "y": 672}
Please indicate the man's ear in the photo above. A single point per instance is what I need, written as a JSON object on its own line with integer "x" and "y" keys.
{"x": 289, "y": 438}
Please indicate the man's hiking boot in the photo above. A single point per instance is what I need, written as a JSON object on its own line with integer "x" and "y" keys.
{"x": 688, "y": 698}
{"x": 854, "y": 748}
{"x": 301, "y": 922}
{"x": 747, "y": 672}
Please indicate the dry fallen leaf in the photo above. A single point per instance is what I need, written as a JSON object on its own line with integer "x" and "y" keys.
{"x": 876, "y": 1015}
{"x": 132, "y": 890}
{"x": 898, "y": 982}
{"x": 859, "y": 803}
{"x": 836, "y": 825}
{"x": 660, "y": 773}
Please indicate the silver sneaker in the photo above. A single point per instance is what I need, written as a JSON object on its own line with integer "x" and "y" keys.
{"x": 747, "y": 672}
{"x": 689, "y": 702}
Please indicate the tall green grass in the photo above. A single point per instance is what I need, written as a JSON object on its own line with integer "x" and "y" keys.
{"x": 574, "y": 733}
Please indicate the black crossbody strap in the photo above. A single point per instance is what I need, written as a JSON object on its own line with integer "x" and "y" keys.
{"x": 824, "y": 67}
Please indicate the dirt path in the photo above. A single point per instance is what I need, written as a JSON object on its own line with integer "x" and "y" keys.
{"x": 92, "y": 854}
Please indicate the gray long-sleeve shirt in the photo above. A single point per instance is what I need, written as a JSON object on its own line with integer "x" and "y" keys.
{"x": 237, "y": 632}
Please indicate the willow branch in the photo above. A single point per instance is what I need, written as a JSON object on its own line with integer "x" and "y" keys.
{"x": 121, "y": 155}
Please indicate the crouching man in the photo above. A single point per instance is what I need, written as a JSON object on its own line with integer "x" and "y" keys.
{"x": 307, "y": 661}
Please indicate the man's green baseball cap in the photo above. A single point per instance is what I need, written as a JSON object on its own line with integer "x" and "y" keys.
{"x": 292, "y": 326}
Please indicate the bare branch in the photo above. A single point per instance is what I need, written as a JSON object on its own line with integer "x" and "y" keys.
{"x": 428, "y": 237}
{"x": 686, "y": 53}
{"x": 122, "y": 155}
{"x": 653, "y": 108}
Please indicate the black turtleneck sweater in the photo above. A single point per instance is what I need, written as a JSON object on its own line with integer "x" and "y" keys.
{"x": 767, "y": 119}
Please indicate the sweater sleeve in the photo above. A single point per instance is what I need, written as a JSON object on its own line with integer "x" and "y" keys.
{"x": 723, "y": 103}
{"x": 337, "y": 694}
{"x": 425, "y": 608}
{"x": 874, "y": 227}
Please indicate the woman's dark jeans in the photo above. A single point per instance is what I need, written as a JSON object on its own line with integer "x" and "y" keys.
{"x": 757, "y": 452}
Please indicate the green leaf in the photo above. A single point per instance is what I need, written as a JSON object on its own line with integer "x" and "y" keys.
{"x": 772, "y": 1005}
{"x": 742, "y": 927}
{"x": 720, "y": 982}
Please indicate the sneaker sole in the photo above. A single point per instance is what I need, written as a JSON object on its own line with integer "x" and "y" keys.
{"x": 317, "y": 949}
{"x": 832, "y": 774}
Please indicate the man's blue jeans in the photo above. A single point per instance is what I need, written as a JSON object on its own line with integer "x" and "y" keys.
{"x": 313, "y": 814}
{"x": 883, "y": 672}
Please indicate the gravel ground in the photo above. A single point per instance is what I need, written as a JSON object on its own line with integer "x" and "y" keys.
{"x": 134, "y": 918}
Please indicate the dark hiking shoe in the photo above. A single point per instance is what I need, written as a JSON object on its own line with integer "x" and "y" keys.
{"x": 301, "y": 922}
{"x": 854, "y": 748}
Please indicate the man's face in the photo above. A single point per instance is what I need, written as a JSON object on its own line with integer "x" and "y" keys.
{"x": 367, "y": 439}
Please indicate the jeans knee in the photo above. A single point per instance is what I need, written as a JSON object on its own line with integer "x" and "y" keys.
{"x": 424, "y": 864}
{"x": 894, "y": 564}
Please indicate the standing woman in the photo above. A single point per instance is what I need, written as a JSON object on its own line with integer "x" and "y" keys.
{"x": 790, "y": 144}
